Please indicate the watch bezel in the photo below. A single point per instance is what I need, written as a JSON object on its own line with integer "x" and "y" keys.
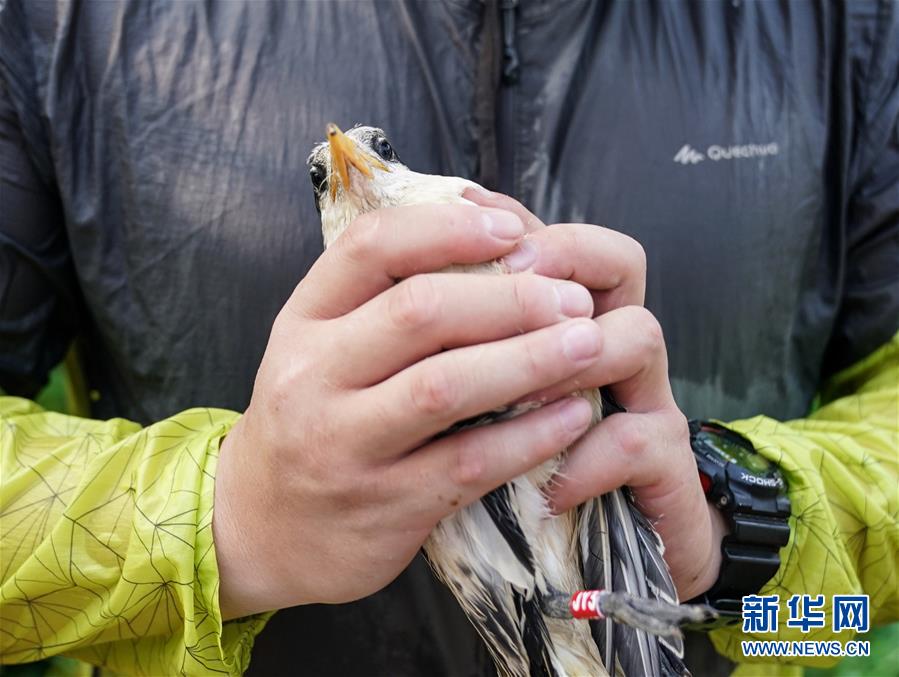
{"x": 732, "y": 486}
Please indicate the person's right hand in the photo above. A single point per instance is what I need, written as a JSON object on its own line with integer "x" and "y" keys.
{"x": 332, "y": 480}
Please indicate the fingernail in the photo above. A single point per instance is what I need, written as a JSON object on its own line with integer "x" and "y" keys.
{"x": 580, "y": 343}
{"x": 502, "y": 224}
{"x": 575, "y": 414}
{"x": 521, "y": 258}
{"x": 574, "y": 300}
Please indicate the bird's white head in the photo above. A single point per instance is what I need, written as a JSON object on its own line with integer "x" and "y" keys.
{"x": 352, "y": 173}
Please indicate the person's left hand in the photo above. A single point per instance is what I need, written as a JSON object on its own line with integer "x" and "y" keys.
{"x": 648, "y": 447}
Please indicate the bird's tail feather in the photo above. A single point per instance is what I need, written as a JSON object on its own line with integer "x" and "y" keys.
{"x": 635, "y": 651}
{"x": 640, "y": 569}
{"x": 658, "y": 577}
{"x": 593, "y": 535}
{"x": 535, "y": 636}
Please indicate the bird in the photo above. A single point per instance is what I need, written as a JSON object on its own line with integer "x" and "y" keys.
{"x": 585, "y": 592}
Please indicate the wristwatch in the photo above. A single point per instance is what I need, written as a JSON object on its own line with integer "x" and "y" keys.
{"x": 751, "y": 494}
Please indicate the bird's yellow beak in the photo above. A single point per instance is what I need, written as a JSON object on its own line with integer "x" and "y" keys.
{"x": 343, "y": 153}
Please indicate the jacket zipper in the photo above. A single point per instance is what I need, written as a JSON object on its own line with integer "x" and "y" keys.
{"x": 511, "y": 64}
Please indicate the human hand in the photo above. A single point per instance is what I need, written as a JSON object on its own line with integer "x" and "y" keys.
{"x": 331, "y": 481}
{"x": 647, "y": 448}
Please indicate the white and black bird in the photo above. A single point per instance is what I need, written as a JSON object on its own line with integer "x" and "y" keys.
{"x": 510, "y": 563}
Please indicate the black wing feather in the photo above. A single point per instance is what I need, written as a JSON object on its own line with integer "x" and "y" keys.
{"x": 535, "y": 636}
{"x": 499, "y": 507}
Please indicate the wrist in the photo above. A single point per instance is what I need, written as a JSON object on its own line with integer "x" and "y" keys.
{"x": 708, "y": 573}
{"x": 719, "y": 530}
{"x": 242, "y": 588}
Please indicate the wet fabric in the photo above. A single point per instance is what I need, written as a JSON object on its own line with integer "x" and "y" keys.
{"x": 154, "y": 199}
{"x": 108, "y": 556}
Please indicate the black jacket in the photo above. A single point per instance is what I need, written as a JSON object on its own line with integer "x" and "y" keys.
{"x": 154, "y": 197}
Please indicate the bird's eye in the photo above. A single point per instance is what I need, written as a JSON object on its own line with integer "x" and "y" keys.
{"x": 383, "y": 148}
{"x": 318, "y": 177}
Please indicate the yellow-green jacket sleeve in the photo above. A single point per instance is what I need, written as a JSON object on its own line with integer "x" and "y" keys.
{"x": 842, "y": 467}
{"x": 106, "y": 549}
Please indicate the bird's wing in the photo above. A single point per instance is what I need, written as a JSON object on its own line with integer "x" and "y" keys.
{"x": 498, "y": 593}
{"x": 534, "y": 633}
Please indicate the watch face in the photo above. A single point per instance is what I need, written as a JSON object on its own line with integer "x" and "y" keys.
{"x": 733, "y": 450}
{"x": 743, "y": 457}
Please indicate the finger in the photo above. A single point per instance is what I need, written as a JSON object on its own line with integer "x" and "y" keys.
{"x": 394, "y": 243}
{"x": 461, "y": 468}
{"x": 426, "y": 314}
{"x": 651, "y": 454}
{"x": 633, "y": 362}
{"x": 608, "y": 262}
{"x": 635, "y": 450}
{"x": 487, "y": 198}
{"x": 428, "y": 397}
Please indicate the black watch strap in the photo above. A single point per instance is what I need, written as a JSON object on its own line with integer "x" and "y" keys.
{"x": 749, "y": 559}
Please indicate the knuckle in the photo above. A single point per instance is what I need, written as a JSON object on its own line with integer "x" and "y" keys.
{"x": 630, "y": 438}
{"x": 654, "y": 335}
{"x": 469, "y": 462}
{"x": 532, "y": 363}
{"x": 525, "y": 295}
{"x": 649, "y": 332}
{"x": 680, "y": 430}
{"x": 568, "y": 240}
{"x": 280, "y": 393}
{"x": 361, "y": 239}
{"x": 571, "y": 236}
{"x": 413, "y": 303}
{"x": 679, "y": 423}
{"x": 283, "y": 387}
{"x": 637, "y": 255}
{"x": 434, "y": 392}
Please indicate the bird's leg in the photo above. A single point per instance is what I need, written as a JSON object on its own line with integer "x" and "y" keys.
{"x": 650, "y": 615}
